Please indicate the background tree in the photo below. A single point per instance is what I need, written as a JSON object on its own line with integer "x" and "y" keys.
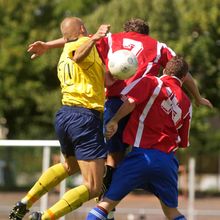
{"x": 199, "y": 41}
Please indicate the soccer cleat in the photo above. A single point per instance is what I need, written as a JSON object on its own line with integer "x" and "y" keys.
{"x": 18, "y": 212}
{"x": 35, "y": 216}
{"x": 111, "y": 215}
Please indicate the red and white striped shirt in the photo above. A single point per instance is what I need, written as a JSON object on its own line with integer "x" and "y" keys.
{"x": 151, "y": 55}
{"x": 161, "y": 118}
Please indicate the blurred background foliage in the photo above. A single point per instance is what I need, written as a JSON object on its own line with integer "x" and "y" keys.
{"x": 29, "y": 90}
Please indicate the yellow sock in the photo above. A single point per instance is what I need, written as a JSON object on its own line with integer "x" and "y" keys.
{"x": 50, "y": 178}
{"x": 71, "y": 200}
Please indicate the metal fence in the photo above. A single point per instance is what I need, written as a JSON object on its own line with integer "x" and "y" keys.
{"x": 191, "y": 212}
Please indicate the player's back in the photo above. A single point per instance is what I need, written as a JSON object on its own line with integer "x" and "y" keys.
{"x": 184, "y": 102}
{"x": 151, "y": 54}
{"x": 142, "y": 45}
{"x": 82, "y": 83}
{"x": 155, "y": 120}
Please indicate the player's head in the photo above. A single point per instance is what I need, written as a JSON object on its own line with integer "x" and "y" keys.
{"x": 177, "y": 67}
{"x": 72, "y": 28}
{"x": 136, "y": 25}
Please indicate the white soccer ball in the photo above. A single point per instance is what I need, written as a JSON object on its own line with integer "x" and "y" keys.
{"x": 122, "y": 64}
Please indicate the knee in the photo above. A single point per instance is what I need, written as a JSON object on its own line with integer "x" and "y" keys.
{"x": 70, "y": 169}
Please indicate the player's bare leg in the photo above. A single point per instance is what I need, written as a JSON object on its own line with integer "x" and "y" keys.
{"x": 111, "y": 163}
{"x": 113, "y": 159}
{"x": 172, "y": 213}
{"x": 92, "y": 172}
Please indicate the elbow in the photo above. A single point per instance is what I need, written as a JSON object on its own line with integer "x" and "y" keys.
{"x": 77, "y": 59}
{"x": 182, "y": 145}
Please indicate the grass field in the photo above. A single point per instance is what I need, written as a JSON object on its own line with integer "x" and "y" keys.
{"x": 133, "y": 207}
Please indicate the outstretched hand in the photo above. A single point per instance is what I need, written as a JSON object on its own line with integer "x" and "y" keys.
{"x": 37, "y": 49}
{"x": 205, "y": 102}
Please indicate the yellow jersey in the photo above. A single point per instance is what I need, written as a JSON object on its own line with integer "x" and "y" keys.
{"x": 82, "y": 84}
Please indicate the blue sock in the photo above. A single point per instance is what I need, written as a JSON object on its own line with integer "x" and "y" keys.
{"x": 180, "y": 217}
{"x": 96, "y": 214}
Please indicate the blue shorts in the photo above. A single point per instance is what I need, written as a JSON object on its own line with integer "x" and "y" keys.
{"x": 151, "y": 170}
{"x": 115, "y": 144}
{"x": 80, "y": 133}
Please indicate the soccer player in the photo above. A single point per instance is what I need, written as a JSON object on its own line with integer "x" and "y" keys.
{"x": 151, "y": 54}
{"x": 78, "y": 124}
{"x": 159, "y": 123}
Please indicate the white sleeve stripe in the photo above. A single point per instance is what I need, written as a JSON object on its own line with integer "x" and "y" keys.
{"x": 129, "y": 87}
{"x": 109, "y": 36}
{"x": 97, "y": 214}
{"x": 159, "y": 46}
{"x": 190, "y": 112}
{"x": 145, "y": 113}
{"x": 149, "y": 66}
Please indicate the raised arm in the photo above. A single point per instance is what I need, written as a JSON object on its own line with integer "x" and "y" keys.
{"x": 193, "y": 89}
{"x": 85, "y": 48}
{"x": 38, "y": 48}
{"x": 126, "y": 108}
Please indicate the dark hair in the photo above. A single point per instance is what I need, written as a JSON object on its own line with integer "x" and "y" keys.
{"x": 177, "y": 66}
{"x": 136, "y": 25}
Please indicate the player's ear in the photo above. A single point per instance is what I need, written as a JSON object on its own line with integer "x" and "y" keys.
{"x": 183, "y": 78}
{"x": 164, "y": 71}
{"x": 83, "y": 30}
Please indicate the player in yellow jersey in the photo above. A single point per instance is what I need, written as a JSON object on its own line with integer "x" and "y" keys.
{"x": 78, "y": 124}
